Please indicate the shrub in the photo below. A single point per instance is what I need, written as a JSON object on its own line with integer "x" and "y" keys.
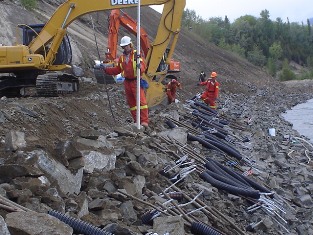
{"x": 29, "y": 4}
{"x": 286, "y": 73}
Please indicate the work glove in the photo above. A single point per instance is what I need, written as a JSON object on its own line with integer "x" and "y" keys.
{"x": 102, "y": 67}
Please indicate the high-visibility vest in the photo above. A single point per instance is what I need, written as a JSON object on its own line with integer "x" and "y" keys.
{"x": 134, "y": 64}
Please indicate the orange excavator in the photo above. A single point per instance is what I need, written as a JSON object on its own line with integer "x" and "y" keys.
{"x": 119, "y": 18}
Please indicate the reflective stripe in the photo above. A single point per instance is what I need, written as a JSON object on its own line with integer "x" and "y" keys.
{"x": 134, "y": 64}
{"x": 141, "y": 107}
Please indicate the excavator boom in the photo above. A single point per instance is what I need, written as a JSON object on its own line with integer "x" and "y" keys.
{"x": 27, "y": 62}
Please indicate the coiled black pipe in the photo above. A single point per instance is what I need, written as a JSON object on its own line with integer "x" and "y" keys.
{"x": 229, "y": 188}
{"x": 78, "y": 226}
{"x": 242, "y": 177}
{"x": 204, "y": 106}
{"x": 199, "y": 228}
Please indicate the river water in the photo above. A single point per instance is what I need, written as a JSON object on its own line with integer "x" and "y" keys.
{"x": 301, "y": 116}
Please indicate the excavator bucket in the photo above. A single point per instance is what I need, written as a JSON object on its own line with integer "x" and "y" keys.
{"x": 155, "y": 93}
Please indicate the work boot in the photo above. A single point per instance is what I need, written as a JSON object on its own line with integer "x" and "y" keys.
{"x": 144, "y": 124}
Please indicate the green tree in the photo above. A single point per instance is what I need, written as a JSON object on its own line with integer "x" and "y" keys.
{"x": 286, "y": 73}
{"x": 276, "y": 51}
{"x": 256, "y": 56}
{"x": 271, "y": 67}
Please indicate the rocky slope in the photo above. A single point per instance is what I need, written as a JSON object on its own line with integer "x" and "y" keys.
{"x": 79, "y": 155}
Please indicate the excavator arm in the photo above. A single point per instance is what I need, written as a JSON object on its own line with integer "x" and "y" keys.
{"x": 28, "y": 62}
{"x": 69, "y": 11}
{"x": 119, "y": 18}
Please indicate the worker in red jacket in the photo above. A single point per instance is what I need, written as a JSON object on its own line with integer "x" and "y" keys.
{"x": 210, "y": 95}
{"x": 127, "y": 67}
{"x": 171, "y": 89}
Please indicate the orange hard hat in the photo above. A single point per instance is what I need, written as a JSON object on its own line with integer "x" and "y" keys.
{"x": 213, "y": 74}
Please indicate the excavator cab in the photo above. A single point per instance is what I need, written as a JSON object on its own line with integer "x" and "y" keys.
{"x": 172, "y": 67}
{"x": 64, "y": 55}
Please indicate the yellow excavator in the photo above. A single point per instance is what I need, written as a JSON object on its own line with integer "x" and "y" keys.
{"x": 38, "y": 62}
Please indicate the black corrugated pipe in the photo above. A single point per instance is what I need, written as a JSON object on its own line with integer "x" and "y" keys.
{"x": 204, "y": 106}
{"x": 211, "y": 136}
{"x": 226, "y": 149}
{"x": 202, "y": 110}
{"x": 226, "y": 180}
{"x": 202, "y": 121}
{"x": 201, "y": 141}
{"x": 204, "y": 128}
{"x": 209, "y": 114}
{"x": 205, "y": 117}
{"x": 210, "y": 117}
{"x": 241, "y": 177}
{"x": 230, "y": 188}
{"x": 210, "y": 165}
{"x": 170, "y": 124}
{"x": 199, "y": 228}
{"x": 78, "y": 226}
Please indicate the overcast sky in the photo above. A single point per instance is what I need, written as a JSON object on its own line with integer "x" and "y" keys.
{"x": 295, "y": 10}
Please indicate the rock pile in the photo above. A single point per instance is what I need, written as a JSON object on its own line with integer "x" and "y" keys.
{"x": 120, "y": 180}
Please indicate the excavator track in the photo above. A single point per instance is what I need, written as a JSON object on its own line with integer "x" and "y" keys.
{"x": 53, "y": 84}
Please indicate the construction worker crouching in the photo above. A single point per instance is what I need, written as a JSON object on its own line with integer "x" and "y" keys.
{"x": 127, "y": 66}
{"x": 210, "y": 95}
{"x": 171, "y": 89}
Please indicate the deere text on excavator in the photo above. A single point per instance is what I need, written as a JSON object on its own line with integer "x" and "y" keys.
{"x": 36, "y": 64}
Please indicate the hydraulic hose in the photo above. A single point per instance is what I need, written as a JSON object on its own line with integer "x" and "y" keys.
{"x": 229, "y": 188}
{"x": 199, "y": 228}
{"x": 78, "y": 226}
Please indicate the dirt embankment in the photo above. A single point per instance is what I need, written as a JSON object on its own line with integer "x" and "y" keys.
{"x": 97, "y": 117}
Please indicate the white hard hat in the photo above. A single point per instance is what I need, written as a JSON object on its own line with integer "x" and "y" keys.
{"x": 125, "y": 41}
